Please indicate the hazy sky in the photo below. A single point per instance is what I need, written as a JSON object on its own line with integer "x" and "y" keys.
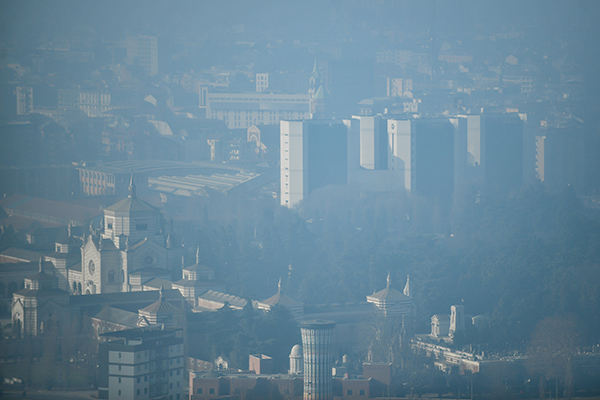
{"x": 111, "y": 19}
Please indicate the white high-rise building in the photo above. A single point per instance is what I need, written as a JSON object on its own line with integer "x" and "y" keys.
{"x": 422, "y": 151}
{"x": 314, "y": 154}
{"x": 494, "y": 144}
{"x": 373, "y": 142}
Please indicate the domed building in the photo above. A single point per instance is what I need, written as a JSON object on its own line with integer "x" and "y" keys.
{"x": 296, "y": 360}
{"x": 130, "y": 249}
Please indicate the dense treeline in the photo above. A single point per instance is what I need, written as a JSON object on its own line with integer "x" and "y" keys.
{"x": 515, "y": 259}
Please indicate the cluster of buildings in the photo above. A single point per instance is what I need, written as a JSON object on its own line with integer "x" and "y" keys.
{"x": 123, "y": 275}
{"x": 313, "y": 374}
{"x": 428, "y": 157}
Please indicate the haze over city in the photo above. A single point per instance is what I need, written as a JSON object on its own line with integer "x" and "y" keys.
{"x": 309, "y": 200}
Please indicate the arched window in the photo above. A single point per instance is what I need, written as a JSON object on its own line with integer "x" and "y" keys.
{"x": 79, "y": 288}
{"x": 74, "y": 287}
{"x": 111, "y": 276}
{"x": 142, "y": 226}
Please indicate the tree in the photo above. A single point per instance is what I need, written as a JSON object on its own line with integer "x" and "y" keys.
{"x": 551, "y": 350}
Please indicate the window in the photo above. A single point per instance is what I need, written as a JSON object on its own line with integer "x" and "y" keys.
{"x": 199, "y": 391}
{"x": 170, "y": 386}
{"x": 349, "y": 392}
{"x": 119, "y": 355}
{"x": 138, "y": 392}
{"x": 146, "y": 377}
{"x": 139, "y": 379}
{"x": 211, "y": 391}
{"x": 171, "y": 373}
{"x": 119, "y": 378}
{"x": 145, "y": 390}
{"x": 362, "y": 392}
{"x": 178, "y": 371}
{"x": 119, "y": 367}
{"x": 142, "y": 226}
{"x": 119, "y": 392}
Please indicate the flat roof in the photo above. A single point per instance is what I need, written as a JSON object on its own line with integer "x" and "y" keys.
{"x": 196, "y": 184}
{"x": 317, "y": 324}
{"x": 150, "y": 166}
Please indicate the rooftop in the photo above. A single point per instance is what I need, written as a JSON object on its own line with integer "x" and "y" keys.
{"x": 48, "y": 210}
{"x": 153, "y": 167}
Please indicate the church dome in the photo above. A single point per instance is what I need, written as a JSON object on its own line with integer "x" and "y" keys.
{"x": 296, "y": 351}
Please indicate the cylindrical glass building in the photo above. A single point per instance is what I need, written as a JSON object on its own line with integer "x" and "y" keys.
{"x": 317, "y": 346}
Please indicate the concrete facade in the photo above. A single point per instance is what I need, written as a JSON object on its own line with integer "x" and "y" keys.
{"x": 142, "y": 363}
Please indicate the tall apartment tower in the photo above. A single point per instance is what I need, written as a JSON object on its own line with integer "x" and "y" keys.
{"x": 317, "y": 345}
{"x": 373, "y": 142}
{"x": 494, "y": 149}
{"x": 560, "y": 154}
{"x": 422, "y": 151}
{"x": 314, "y": 154}
{"x": 143, "y": 51}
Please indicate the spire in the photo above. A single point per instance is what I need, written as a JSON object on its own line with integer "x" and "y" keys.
{"x": 41, "y": 264}
{"x": 388, "y": 280}
{"x": 69, "y": 233}
{"x": 131, "y": 187}
{"x": 198, "y": 255}
{"x": 279, "y": 286}
{"x": 315, "y": 71}
{"x": 407, "y": 286}
{"x": 161, "y": 293}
